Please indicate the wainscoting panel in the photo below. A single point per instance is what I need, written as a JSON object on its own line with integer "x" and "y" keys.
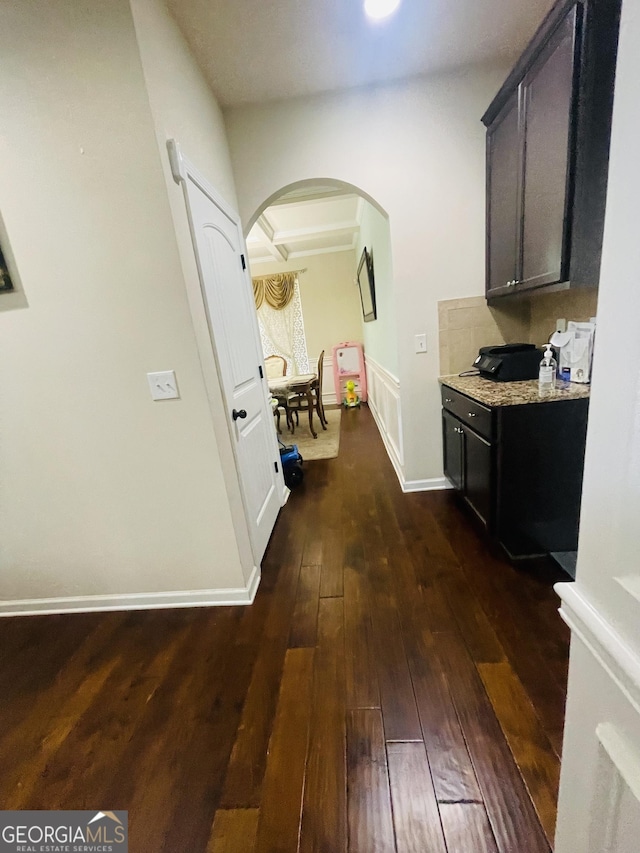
{"x": 383, "y": 390}
{"x": 599, "y": 805}
{"x": 329, "y": 397}
{"x": 616, "y": 806}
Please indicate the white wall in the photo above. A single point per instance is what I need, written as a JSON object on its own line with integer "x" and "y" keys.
{"x": 381, "y": 334}
{"x": 600, "y": 793}
{"x": 611, "y": 495}
{"x": 418, "y": 149}
{"x": 184, "y": 108}
{"x": 102, "y": 490}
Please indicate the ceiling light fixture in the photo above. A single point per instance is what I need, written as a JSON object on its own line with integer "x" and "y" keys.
{"x": 379, "y": 9}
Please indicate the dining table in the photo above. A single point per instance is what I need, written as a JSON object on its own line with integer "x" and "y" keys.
{"x": 282, "y": 386}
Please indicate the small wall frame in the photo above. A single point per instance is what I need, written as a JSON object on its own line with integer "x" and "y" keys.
{"x": 366, "y": 283}
{"x": 6, "y": 284}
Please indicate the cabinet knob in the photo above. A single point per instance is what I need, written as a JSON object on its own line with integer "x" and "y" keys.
{"x": 448, "y": 400}
{"x": 472, "y": 414}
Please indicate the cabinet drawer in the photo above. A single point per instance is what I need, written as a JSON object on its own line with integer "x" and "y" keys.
{"x": 477, "y": 416}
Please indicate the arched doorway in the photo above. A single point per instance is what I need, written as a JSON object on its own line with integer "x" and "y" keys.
{"x": 319, "y": 228}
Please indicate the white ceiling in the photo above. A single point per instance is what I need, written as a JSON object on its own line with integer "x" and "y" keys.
{"x": 258, "y": 50}
{"x": 303, "y": 223}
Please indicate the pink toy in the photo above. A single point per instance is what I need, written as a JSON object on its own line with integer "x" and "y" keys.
{"x": 348, "y": 366}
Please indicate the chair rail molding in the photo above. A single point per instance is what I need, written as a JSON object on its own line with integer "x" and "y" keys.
{"x": 601, "y": 638}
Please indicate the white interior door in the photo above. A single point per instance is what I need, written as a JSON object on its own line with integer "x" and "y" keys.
{"x": 228, "y": 297}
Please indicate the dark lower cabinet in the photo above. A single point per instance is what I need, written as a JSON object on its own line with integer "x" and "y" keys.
{"x": 452, "y": 450}
{"x": 518, "y": 468}
{"x": 468, "y": 464}
{"x": 478, "y": 474}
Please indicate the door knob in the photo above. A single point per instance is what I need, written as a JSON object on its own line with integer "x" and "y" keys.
{"x": 235, "y": 414}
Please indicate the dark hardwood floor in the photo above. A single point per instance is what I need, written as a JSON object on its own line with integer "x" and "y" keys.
{"x": 397, "y": 685}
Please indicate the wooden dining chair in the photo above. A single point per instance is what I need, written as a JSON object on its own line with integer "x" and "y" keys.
{"x": 299, "y": 401}
{"x": 276, "y": 366}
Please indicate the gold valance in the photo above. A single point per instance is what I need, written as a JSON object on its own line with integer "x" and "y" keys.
{"x": 276, "y": 290}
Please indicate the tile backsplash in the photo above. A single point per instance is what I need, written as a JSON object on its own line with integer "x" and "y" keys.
{"x": 579, "y": 304}
{"x": 469, "y": 323}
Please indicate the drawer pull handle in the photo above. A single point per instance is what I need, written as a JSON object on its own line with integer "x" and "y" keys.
{"x": 472, "y": 414}
{"x": 448, "y": 400}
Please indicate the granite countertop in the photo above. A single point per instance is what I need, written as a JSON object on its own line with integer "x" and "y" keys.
{"x": 510, "y": 393}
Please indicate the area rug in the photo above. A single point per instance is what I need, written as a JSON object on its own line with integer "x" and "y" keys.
{"x": 325, "y": 446}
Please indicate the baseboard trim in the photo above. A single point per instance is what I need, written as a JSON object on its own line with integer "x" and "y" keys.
{"x": 435, "y": 484}
{"x": 611, "y": 651}
{"x": 134, "y": 601}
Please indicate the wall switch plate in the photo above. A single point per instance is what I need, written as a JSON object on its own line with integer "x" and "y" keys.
{"x": 561, "y": 325}
{"x": 421, "y": 342}
{"x": 163, "y": 385}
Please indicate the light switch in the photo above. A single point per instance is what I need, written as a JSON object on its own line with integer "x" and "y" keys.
{"x": 163, "y": 385}
{"x": 421, "y": 342}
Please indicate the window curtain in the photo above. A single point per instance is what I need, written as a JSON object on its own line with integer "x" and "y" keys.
{"x": 280, "y": 319}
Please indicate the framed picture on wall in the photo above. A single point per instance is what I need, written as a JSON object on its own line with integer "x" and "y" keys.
{"x": 366, "y": 283}
{"x": 5, "y": 279}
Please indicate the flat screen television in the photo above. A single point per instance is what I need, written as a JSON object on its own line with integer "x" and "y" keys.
{"x": 366, "y": 283}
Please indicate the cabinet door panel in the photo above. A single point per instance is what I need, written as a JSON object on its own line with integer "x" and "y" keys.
{"x": 503, "y": 171}
{"x": 452, "y": 449}
{"x": 477, "y": 480}
{"x": 548, "y": 100}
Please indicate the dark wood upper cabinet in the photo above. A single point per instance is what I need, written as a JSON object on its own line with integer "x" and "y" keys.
{"x": 503, "y": 176}
{"x": 548, "y": 133}
{"x": 548, "y": 106}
